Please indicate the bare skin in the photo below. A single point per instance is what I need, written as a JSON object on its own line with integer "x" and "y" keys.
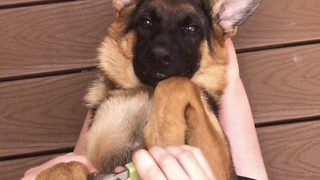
{"x": 173, "y": 162}
{"x": 236, "y": 120}
{"x": 238, "y": 124}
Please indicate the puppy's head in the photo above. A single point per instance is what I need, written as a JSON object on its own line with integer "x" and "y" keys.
{"x": 152, "y": 40}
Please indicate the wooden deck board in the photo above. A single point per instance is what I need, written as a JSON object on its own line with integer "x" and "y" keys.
{"x": 15, "y": 169}
{"x": 282, "y": 84}
{"x": 49, "y": 38}
{"x": 42, "y": 114}
{"x": 276, "y": 23}
{"x": 291, "y": 152}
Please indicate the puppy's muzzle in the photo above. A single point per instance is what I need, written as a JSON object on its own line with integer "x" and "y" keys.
{"x": 159, "y": 57}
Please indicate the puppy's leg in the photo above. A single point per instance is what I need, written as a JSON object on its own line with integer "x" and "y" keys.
{"x": 65, "y": 171}
{"x": 117, "y": 129}
{"x": 178, "y": 117}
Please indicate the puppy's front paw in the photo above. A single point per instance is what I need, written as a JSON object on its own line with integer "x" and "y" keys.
{"x": 65, "y": 171}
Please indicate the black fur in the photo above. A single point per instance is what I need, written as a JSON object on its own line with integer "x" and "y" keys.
{"x": 168, "y": 30}
{"x": 214, "y": 106}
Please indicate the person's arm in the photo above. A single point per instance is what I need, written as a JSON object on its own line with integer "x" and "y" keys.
{"x": 238, "y": 124}
{"x": 81, "y": 140}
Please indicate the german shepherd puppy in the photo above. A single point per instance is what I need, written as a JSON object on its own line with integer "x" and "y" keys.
{"x": 162, "y": 72}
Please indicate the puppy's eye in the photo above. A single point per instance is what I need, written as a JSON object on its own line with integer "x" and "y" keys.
{"x": 191, "y": 29}
{"x": 145, "y": 22}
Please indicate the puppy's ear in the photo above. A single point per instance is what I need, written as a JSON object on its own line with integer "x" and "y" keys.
{"x": 232, "y": 13}
{"x": 121, "y": 4}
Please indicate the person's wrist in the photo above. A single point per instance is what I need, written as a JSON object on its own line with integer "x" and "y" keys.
{"x": 233, "y": 81}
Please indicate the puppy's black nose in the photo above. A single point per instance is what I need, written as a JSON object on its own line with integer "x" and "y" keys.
{"x": 159, "y": 56}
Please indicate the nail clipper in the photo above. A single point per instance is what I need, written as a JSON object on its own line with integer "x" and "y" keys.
{"x": 129, "y": 174}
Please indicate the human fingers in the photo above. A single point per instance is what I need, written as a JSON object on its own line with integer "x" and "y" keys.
{"x": 188, "y": 162}
{"x": 146, "y": 167}
{"x": 168, "y": 164}
{"x": 119, "y": 169}
{"x": 201, "y": 160}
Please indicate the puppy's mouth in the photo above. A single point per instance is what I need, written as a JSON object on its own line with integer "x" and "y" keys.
{"x": 155, "y": 75}
{"x": 152, "y": 77}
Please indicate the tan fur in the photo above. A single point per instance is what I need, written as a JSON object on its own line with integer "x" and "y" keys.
{"x": 211, "y": 74}
{"x": 109, "y": 133}
{"x": 120, "y": 68}
{"x": 65, "y": 171}
{"x": 97, "y": 93}
{"x": 216, "y": 6}
{"x": 173, "y": 115}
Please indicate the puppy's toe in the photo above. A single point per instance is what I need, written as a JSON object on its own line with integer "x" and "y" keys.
{"x": 65, "y": 171}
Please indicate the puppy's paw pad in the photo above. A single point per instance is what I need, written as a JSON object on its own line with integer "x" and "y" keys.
{"x": 65, "y": 171}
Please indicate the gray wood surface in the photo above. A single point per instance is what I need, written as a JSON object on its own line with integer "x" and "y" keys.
{"x": 15, "y": 169}
{"x": 292, "y": 151}
{"x": 278, "y": 23}
{"x": 52, "y": 38}
{"x": 42, "y": 114}
{"x": 282, "y": 84}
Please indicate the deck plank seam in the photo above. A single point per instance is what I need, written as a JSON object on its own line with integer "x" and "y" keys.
{"x": 28, "y": 4}
{"x": 48, "y": 74}
{"x": 287, "y": 121}
{"x": 278, "y": 46}
{"x": 37, "y": 154}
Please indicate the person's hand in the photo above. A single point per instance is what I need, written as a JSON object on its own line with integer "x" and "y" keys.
{"x": 31, "y": 174}
{"x": 174, "y": 162}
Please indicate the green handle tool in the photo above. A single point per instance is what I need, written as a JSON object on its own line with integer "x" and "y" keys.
{"x": 129, "y": 174}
